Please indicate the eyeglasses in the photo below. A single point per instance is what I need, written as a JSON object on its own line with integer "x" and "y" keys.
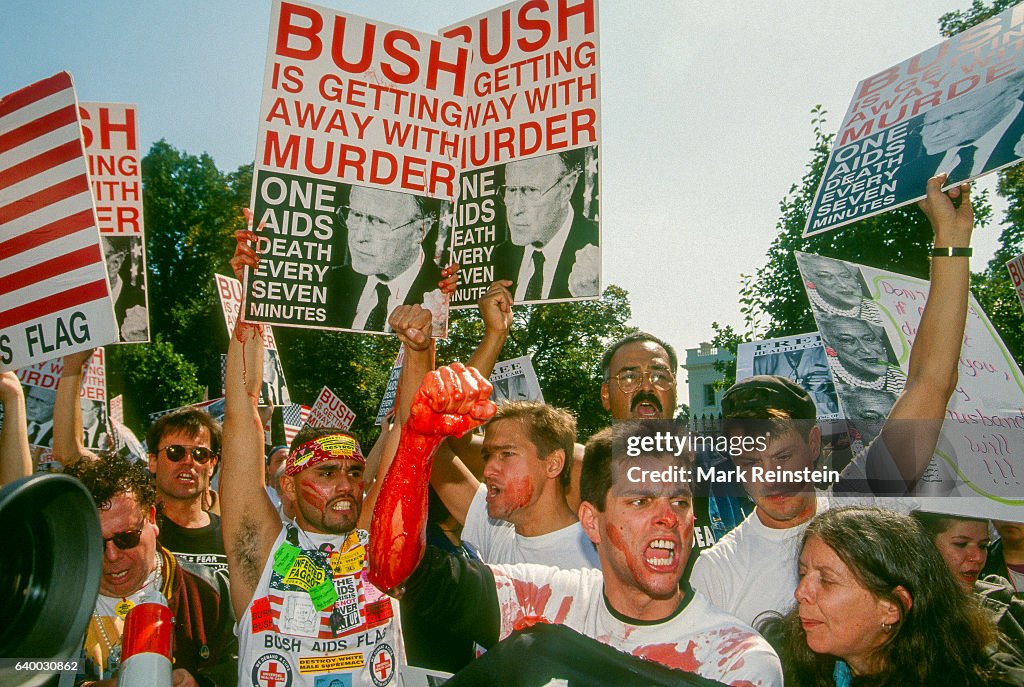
{"x": 127, "y": 539}
{"x": 363, "y": 221}
{"x": 630, "y": 380}
{"x": 175, "y": 452}
{"x": 529, "y": 194}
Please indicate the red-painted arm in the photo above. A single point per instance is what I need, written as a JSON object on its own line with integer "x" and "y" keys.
{"x": 451, "y": 401}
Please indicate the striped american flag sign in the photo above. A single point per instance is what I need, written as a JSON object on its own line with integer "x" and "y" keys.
{"x": 54, "y": 296}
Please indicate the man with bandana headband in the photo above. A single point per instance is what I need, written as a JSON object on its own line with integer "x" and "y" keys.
{"x": 307, "y": 611}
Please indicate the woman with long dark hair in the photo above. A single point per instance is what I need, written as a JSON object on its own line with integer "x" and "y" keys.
{"x": 876, "y": 605}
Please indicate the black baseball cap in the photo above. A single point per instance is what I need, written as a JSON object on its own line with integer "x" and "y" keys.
{"x": 764, "y": 392}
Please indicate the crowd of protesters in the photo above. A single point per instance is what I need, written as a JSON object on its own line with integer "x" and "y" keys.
{"x": 483, "y": 541}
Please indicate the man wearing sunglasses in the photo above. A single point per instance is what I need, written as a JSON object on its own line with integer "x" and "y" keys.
{"x": 389, "y": 260}
{"x": 135, "y": 569}
{"x": 552, "y": 248}
{"x": 184, "y": 447}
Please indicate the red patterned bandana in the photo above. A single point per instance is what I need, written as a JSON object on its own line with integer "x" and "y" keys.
{"x": 316, "y": 451}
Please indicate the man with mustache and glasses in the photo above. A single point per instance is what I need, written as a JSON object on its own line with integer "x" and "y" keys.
{"x": 184, "y": 448}
{"x": 639, "y": 373}
{"x": 136, "y": 569}
{"x": 752, "y": 570}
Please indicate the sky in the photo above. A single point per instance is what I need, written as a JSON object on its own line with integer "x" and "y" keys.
{"x": 706, "y": 108}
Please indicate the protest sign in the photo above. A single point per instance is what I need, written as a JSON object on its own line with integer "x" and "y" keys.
{"x": 111, "y": 135}
{"x": 528, "y": 205}
{"x": 274, "y": 391}
{"x": 214, "y": 407}
{"x": 868, "y": 338}
{"x": 40, "y": 383}
{"x": 955, "y": 108}
{"x": 391, "y": 391}
{"x": 54, "y": 297}
{"x": 330, "y": 411}
{"x": 1016, "y": 268}
{"x": 118, "y": 409}
{"x": 515, "y": 380}
{"x": 800, "y": 358}
{"x": 355, "y": 170}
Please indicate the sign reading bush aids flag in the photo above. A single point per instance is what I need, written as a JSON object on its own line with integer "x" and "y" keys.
{"x": 528, "y": 207}
{"x": 54, "y": 298}
{"x": 1016, "y": 268}
{"x": 111, "y": 135}
{"x": 955, "y": 108}
{"x": 868, "y": 319}
{"x": 356, "y": 169}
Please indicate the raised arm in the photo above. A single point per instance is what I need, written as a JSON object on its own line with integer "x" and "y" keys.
{"x": 496, "y": 312}
{"x": 15, "y": 457}
{"x": 451, "y": 401}
{"x": 249, "y": 522}
{"x": 912, "y": 429}
{"x": 68, "y": 439}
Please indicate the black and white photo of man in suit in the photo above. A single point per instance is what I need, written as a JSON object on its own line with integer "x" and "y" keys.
{"x": 977, "y": 132}
{"x": 387, "y": 261}
{"x": 552, "y": 249}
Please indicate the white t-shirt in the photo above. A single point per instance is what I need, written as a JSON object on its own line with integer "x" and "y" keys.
{"x": 496, "y": 541}
{"x": 753, "y": 568}
{"x": 699, "y": 638}
{"x": 284, "y": 640}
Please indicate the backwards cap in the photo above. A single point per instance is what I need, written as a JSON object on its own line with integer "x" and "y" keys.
{"x": 321, "y": 449}
{"x": 755, "y": 394}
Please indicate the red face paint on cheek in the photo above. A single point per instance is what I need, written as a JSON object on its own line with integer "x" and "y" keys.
{"x": 518, "y": 493}
{"x": 617, "y": 540}
{"x": 314, "y": 495}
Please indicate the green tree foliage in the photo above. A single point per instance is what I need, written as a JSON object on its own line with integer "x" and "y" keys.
{"x": 728, "y": 339}
{"x": 152, "y": 377}
{"x": 956, "y": 21}
{"x": 192, "y": 211}
{"x": 565, "y": 341}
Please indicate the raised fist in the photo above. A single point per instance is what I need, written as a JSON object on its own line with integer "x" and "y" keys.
{"x": 452, "y": 400}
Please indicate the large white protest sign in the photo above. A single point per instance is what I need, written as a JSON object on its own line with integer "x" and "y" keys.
{"x": 330, "y": 411}
{"x": 40, "y": 383}
{"x": 868, "y": 345}
{"x": 955, "y": 108}
{"x": 274, "y": 391}
{"x": 515, "y": 380}
{"x": 111, "y": 135}
{"x": 355, "y": 170}
{"x": 800, "y": 358}
{"x": 1016, "y": 268}
{"x": 528, "y": 207}
{"x": 54, "y": 297}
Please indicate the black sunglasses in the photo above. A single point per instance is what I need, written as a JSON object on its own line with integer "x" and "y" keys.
{"x": 128, "y": 539}
{"x": 175, "y": 452}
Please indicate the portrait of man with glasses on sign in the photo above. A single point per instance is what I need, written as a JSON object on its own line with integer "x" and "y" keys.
{"x": 551, "y": 251}
{"x": 388, "y": 242}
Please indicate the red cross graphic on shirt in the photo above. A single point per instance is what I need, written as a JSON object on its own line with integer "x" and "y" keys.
{"x": 272, "y": 675}
{"x": 382, "y": 665}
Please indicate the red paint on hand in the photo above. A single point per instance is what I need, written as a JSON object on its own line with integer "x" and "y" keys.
{"x": 451, "y": 401}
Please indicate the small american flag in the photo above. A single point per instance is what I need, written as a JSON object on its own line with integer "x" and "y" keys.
{"x": 294, "y": 417}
